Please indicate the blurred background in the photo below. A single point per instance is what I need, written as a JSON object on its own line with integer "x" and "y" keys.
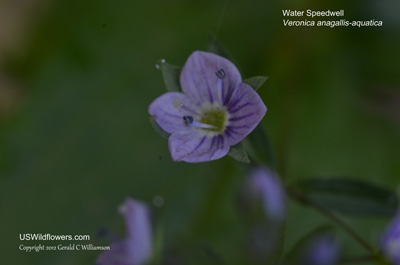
{"x": 76, "y": 78}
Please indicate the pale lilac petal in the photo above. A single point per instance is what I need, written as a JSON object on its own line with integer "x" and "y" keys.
{"x": 200, "y": 82}
{"x": 267, "y": 187}
{"x": 137, "y": 247}
{"x": 196, "y": 147}
{"x": 390, "y": 243}
{"x": 246, "y": 109}
{"x": 139, "y": 233}
{"x": 169, "y": 109}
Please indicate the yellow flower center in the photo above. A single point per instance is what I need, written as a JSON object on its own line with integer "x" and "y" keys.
{"x": 215, "y": 117}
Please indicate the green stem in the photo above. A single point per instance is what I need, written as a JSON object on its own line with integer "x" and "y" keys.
{"x": 300, "y": 197}
{"x": 281, "y": 246}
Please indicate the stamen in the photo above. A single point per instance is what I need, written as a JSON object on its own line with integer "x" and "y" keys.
{"x": 221, "y": 74}
{"x": 189, "y": 121}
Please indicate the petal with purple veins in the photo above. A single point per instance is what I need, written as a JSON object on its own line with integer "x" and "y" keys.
{"x": 246, "y": 109}
{"x": 194, "y": 146}
{"x": 169, "y": 110}
{"x": 207, "y": 77}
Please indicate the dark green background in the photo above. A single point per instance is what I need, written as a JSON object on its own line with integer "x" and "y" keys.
{"x": 80, "y": 140}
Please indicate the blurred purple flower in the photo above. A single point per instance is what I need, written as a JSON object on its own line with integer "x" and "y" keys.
{"x": 390, "y": 242}
{"x": 267, "y": 187}
{"x": 137, "y": 247}
{"x": 215, "y": 111}
{"x": 323, "y": 250}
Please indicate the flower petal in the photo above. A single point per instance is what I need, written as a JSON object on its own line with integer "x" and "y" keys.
{"x": 200, "y": 82}
{"x": 246, "y": 109}
{"x": 139, "y": 231}
{"x": 195, "y": 147}
{"x": 169, "y": 109}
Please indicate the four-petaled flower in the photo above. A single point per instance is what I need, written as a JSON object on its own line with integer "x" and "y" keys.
{"x": 215, "y": 111}
{"x": 390, "y": 243}
{"x": 137, "y": 247}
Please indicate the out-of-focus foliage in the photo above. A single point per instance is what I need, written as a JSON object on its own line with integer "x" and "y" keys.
{"x": 351, "y": 197}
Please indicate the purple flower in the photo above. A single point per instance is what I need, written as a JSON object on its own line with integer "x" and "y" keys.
{"x": 215, "y": 111}
{"x": 267, "y": 187}
{"x": 323, "y": 250}
{"x": 390, "y": 243}
{"x": 136, "y": 248}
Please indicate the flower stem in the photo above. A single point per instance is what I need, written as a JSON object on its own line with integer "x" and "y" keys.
{"x": 281, "y": 242}
{"x": 303, "y": 199}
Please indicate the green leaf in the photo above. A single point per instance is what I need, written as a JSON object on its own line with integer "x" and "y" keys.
{"x": 256, "y": 81}
{"x": 350, "y": 196}
{"x": 238, "y": 153}
{"x": 258, "y": 146}
{"x": 171, "y": 74}
{"x": 158, "y": 129}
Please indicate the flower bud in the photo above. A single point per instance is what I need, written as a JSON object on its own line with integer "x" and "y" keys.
{"x": 323, "y": 250}
{"x": 137, "y": 247}
{"x": 390, "y": 242}
{"x": 267, "y": 188}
